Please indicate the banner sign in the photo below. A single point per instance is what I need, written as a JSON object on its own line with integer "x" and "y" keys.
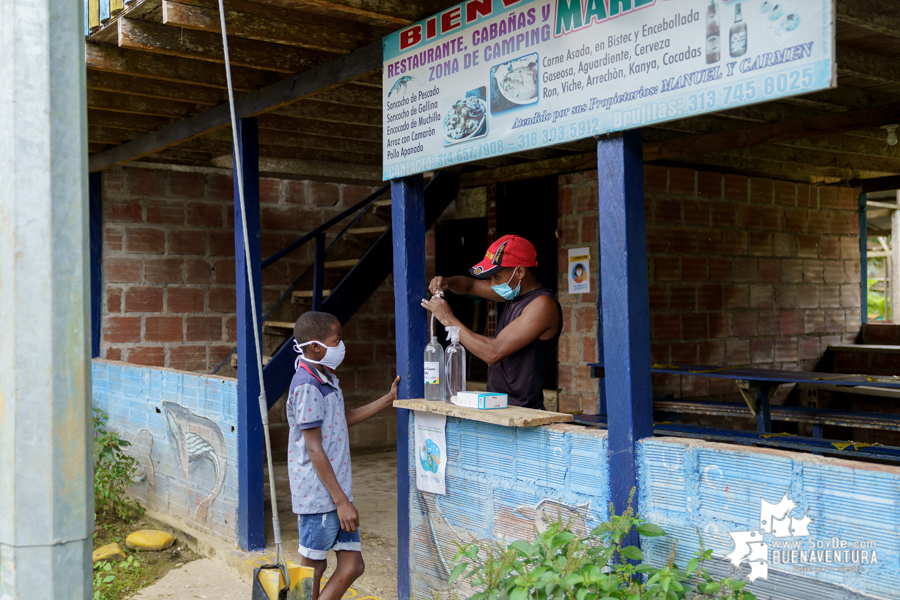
{"x": 493, "y": 77}
{"x": 431, "y": 450}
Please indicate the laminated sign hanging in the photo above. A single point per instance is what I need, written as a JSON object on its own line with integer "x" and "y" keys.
{"x": 431, "y": 452}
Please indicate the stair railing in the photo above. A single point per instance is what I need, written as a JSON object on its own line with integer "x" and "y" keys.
{"x": 318, "y": 267}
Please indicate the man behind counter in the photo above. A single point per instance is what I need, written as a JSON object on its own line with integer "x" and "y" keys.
{"x": 524, "y": 351}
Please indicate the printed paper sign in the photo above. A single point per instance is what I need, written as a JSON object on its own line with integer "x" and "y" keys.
{"x": 579, "y": 270}
{"x": 492, "y": 77}
{"x": 431, "y": 452}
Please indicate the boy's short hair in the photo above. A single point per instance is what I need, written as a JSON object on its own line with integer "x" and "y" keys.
{"x": 314, "y": 326}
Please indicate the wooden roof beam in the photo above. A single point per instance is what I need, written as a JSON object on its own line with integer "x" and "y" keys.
{"x": 306, "y": 34}
{"x": 329, "y": 75}
{"x": 310, "y": 169}
{"x": 852, "y": 62}
{"x": 149, "y": 88}
{"x": 109, "y": 59}
{"x": 319, "y": 128}
{"x": 142, "y": 106}
{"x": 201, "y": 45}
{"x": 399, "y": 12}
{"x": 881, "y": 16}
{"x": 290, "y": 139}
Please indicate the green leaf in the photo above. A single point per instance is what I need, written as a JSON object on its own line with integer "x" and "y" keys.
{"x": 692, "y": 565}
{"x": 519, "y": 594}
{"x": 580, "y": 594}
{"x": 108, "y": 578}
{"x": 712, "y": 588}
{"x": 523, "y": 547}
{"x": 650, "y": 530}
{"x": 472, "y": 551}
{"x": 632, "y": 552}
{"x": 457, "y": 571}
{"x": 107, "y": 567}
{"x": 645, "y": 568}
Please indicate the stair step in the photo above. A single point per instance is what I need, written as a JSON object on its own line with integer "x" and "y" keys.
{"x": 368, "y": 230}
{"x": 305, "y": 296}
{"x": 382, "y": 203}
{"x": 341, "y": 264}
{"x": 278, "y": 325}
{"x": 234, "y": 360}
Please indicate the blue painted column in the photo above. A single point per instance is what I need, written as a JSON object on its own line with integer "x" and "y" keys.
{"x": 408, "y": 226}
{"x": 625, "y": 306}
{"x": 251, "y": 506}
{"x": 863, "y": 260}
{"x": 95, "y": 219}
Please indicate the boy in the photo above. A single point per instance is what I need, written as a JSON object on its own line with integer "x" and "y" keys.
{"x": 319, "y": 454}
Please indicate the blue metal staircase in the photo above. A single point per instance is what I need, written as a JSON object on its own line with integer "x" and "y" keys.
{"x": 357, "y": 285}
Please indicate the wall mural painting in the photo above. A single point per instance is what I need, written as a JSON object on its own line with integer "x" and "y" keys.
{"x": 141, "y": 449}
{"x": 196, "y": 438}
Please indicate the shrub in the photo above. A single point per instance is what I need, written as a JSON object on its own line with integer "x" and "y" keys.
{"x": 560, "y": 565}
{"x": 114, "y": 472}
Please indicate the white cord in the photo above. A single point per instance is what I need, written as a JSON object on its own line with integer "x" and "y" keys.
{"x": 263, "y": 404}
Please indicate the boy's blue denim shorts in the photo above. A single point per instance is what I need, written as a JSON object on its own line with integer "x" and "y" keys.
{"x": 322, "y": 532}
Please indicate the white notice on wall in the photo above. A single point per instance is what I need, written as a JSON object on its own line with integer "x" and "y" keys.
{"x": 431, "y": 451}
{"x": 579, "y": 270}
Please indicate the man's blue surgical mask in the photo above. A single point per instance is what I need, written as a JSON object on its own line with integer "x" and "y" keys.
{"x": 506, "y": 292}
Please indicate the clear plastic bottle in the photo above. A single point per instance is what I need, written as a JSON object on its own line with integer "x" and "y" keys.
{"x": 435, "y": 388}
{"x": 456, "y": 364}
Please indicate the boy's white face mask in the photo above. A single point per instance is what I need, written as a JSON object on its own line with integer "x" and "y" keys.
{"x": 334, "y": 355}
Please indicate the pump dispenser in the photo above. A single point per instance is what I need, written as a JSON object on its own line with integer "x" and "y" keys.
{"x": 456, "y": 365}
{"x": 435, "y": 388}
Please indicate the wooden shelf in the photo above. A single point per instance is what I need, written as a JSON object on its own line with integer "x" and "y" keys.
{"x": 506, "y": 417}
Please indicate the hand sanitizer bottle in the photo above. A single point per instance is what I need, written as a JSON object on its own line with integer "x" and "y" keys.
{"x": 456, "y": 364}
{"x": 435, "y": 387}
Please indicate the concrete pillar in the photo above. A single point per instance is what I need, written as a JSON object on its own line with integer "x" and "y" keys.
{"x": 46, "y": 488}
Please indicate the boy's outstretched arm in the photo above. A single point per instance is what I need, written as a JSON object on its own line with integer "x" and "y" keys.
{"x": 346, "y": 511}
{"x": 357, "y": 415}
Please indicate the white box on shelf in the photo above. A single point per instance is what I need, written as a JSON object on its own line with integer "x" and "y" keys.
{"x": 482, "y": 400}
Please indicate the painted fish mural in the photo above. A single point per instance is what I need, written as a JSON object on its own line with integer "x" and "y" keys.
{"x": 197, "y": 437}
{"x": 141, "y": 449}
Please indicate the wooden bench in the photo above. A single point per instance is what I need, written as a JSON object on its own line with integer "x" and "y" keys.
{"x": 767, "y": 440}
{"x": 756, "y": 385}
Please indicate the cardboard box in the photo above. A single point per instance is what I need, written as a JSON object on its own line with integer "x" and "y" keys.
{"x": 482, "y": 400}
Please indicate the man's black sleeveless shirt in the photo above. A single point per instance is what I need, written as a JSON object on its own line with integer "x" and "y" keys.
{"x": 522, "y": 375}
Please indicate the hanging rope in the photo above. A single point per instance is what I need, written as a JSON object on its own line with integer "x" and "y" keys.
{"x": 263, "y": 403}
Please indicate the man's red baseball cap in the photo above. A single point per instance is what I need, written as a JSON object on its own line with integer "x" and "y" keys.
{"x": 508, "y": 251}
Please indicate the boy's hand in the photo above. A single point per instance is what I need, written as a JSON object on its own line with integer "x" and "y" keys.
{"x": 392, "y": 395}
{"x": 348, "y": 516}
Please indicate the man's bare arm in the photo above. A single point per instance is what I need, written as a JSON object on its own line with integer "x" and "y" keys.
{"x": 540, "y": 319}
{"x": 465, "y": 285}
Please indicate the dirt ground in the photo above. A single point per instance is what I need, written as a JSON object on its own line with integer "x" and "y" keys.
{"x": 375, "y": 497}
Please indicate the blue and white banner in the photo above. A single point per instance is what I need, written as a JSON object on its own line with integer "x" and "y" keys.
{"x": 493, "y": 77}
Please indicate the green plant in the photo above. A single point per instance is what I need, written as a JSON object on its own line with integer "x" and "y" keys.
{"x": 876, "y": 300}
{"x": 103, "y": 576}
{"x": 114, "y": 471}
{"x": 560, "y": 565}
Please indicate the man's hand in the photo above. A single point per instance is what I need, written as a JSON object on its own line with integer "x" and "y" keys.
{"x": 392, "y": 395}
{"x": 438, "y": 286}
{"x": 348, "y": 516}
{"x": 441, "y": 310}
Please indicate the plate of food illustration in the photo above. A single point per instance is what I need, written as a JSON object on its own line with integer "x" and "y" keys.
{"x": 465, "y": 118}
{"x": 517, "y": 80}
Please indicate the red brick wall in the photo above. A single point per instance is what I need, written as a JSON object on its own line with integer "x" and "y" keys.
{"x": 742, "y": 271}
{"x": 168, "y": 268}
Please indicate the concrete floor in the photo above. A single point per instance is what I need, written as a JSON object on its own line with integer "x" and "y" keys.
{"x": 375, "y": 498}
{"x": 198, "y": 579}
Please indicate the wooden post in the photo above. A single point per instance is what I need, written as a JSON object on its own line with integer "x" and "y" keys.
{"x": 408, "y": 226}
{"x": 626, "y": 302}
{"x": 863, "y": 260}
{"x": 95, "y": 216}
{"x": 251, "y": 507}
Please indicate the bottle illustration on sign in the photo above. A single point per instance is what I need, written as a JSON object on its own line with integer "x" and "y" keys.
{"x": 713, "y": 42}
{"x": 737, "y": 37}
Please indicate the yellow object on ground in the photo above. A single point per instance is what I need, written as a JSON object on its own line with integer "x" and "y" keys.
{"x": 109, "y": 552}
{"x": 149, "y": 539}
{"x": 272, "y": 580}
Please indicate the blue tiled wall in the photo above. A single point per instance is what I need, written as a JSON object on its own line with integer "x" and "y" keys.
{"x": 202, "y": 422}
{"x": 502, "y": 482}
{"x": 715, "y": 489}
